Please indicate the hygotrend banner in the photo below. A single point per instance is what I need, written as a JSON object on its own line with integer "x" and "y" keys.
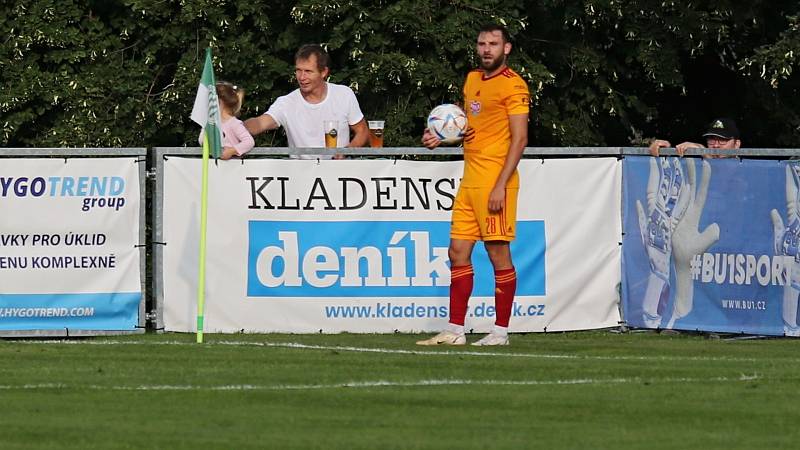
{"x": 69, "y": 235}
{"x": 711, "y": 245}
{"x": 361, "y": 246}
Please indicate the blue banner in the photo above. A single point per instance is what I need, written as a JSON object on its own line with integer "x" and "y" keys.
{"x": 376, "y": 259}
{"x": 102, "y": 311}
{"x": 711, "y": 245}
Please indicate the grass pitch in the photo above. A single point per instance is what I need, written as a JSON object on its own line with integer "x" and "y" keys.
{"x": 581, "y": 390}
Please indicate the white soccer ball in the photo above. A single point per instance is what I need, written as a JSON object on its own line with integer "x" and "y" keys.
{"x": 448, "y": 122}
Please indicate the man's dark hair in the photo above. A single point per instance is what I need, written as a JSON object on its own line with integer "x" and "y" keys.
{"x": 492, "y": 27}
{"x": 306, "y": 51}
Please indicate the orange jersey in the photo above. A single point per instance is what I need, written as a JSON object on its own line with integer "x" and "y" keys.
{"x": 488, "y": 102}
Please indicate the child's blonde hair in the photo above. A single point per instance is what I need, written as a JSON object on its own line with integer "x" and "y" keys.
{"x": 231, "y": 96}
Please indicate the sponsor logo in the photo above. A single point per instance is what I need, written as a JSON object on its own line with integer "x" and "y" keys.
{"x": 474, "y": 107}
{"x": 741, "y": 269}
{"x": 376, "y": 259}
{"x": 93, "y": 192}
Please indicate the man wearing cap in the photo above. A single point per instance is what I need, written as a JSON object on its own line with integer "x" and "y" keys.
{"x": 722, "y": 134}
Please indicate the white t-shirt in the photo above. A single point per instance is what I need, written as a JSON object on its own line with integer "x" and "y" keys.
{"x": 303, "y": 121}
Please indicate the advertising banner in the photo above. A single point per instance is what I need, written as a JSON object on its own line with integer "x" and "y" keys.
{"x": 711, "y": 245}
{"x": 361, "y": 246}
{"x": 69, "y": 235}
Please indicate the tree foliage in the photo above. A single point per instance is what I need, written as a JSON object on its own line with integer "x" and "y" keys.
{"x": 605, "y": 72}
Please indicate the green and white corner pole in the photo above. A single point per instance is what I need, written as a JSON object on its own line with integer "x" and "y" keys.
{"x": 206, "y": 114}
{"x": 201, "y": 272}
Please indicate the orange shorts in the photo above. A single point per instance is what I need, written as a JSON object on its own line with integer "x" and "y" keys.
{"x": 473, "y": 222}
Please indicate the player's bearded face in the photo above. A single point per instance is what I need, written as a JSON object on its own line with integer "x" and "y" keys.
{"x": 491, "y": 63}
{"x": 492, "y": 50}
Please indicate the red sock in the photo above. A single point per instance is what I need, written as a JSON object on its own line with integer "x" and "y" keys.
{"x": 505, "y": 286}
{"x": 461, "y": 280}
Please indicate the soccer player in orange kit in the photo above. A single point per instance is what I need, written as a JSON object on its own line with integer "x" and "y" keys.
{"x": 496, "y": 100}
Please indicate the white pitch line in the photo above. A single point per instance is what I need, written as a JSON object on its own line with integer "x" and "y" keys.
{"x": 376, "y": 384}
{"x": 451, "y": 351}
{"x": 477, "y": 353}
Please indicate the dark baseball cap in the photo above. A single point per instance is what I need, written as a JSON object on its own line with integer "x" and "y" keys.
{"x": 722, "y": 127}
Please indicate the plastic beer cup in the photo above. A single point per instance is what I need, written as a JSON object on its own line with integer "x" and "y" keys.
{"x": 376, "y": 133}
{"x": 331, "y": 133}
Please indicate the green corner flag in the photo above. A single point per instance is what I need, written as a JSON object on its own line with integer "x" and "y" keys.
{"x": 206, "y": 113}
{"x": 206, "y": 110}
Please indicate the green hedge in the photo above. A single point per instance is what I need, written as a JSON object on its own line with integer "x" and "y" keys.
{"x": 613, "y": 72}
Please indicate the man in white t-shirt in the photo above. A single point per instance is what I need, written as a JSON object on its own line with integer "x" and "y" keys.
{"x": 302, "y": 111}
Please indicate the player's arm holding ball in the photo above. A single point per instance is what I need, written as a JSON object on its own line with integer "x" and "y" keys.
{"x": 429, "y": 140}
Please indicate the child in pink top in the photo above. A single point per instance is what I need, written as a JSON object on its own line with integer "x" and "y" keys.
{"x": 236, "y": 140}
